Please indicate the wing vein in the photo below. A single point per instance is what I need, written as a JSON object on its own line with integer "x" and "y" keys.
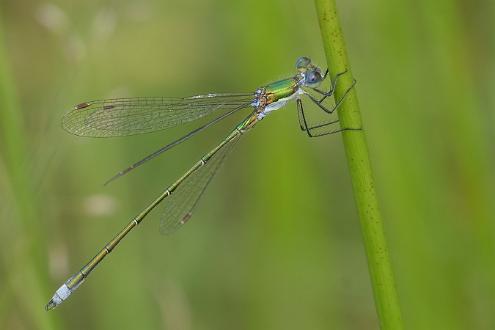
{"x": 129, "y": 116}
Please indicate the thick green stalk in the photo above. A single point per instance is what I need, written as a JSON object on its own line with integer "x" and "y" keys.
{"x": 386, "y": 300}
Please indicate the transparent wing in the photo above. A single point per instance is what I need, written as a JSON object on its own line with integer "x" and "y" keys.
{"x": 179, "y": 206}
{"x": 174, "y": 143}
{"x": 128, "y": 116}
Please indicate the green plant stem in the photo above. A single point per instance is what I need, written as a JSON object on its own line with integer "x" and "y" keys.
{"x": 386, "y": 300}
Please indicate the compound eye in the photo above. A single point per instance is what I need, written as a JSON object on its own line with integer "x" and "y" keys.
{"x": 313, "y": 77}
{"x": 302, "y": 63}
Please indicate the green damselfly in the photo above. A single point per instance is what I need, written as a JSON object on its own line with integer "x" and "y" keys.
{"x": 128, "y": 116}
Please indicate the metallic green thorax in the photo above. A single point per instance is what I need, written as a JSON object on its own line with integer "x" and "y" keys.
{"x": 281, "y": 89}
{"x": 267, "y": 97}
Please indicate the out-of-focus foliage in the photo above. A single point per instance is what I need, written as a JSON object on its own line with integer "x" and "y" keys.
{"x": 275, "y": 243}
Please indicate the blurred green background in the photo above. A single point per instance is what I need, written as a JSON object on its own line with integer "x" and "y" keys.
{"x": 275, "y": 243}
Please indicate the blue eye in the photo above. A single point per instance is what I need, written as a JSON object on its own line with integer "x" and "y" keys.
{"x": 312, "y": 77}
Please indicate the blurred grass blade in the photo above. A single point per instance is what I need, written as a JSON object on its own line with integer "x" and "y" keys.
{"x": 28, "y": 279}
{"x": 382, "y": 279}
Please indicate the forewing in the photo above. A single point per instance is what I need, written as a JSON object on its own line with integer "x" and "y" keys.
{"x": 179, "y": 206}
{"x": 129, "y": 116}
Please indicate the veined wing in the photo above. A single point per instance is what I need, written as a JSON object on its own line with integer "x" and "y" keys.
{"x": 129, "y": 116}
{"x": 175, "y": 143}
{"x": 179, "y": 206}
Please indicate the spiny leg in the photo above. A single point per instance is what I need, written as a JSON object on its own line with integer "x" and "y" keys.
{"x": 337, "y": 104}
{"x": 304, "y": 124}
{"x": 320, "y": 125}
{"x": 300, "y": 115}
{"x": 332, "y": 87}
{"x": 334, "y": 131}
{"x": 302, "y": 118}
{"x": 310, "y": 129}
{"x": 325, "y": 74}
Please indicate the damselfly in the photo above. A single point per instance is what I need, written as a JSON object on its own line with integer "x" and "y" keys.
{"x": 128, "y": 116}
